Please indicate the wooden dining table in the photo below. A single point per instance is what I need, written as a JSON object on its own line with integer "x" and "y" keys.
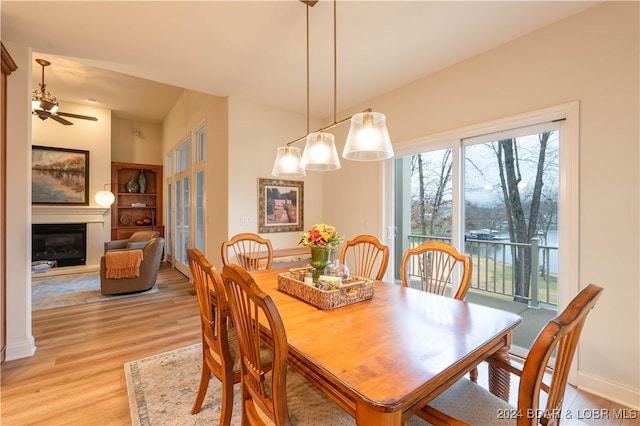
{"x": 384, "y": 358}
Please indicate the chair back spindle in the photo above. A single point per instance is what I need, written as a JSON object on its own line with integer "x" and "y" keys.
{"x": 247, "y": 249}
{"x": 365, "y": 256}
{"x": 436, "y": 264}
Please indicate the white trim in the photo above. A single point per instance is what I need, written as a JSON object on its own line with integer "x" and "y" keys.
{"x": 387, "y": 218}
{"x": 22, "y": 349}
{"x": 67, "y": 214}
{"x": 616, "y": 392}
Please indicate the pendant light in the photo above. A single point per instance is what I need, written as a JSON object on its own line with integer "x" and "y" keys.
{"x": 368, "y": 138}
{"x": 104, "y": 198}
{"x": 320, "y": 152}
{"x": 288, "y": 160}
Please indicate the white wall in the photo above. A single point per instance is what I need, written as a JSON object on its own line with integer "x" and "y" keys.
{"x": 255, "y": 132}
{"x": 591, "y": 58}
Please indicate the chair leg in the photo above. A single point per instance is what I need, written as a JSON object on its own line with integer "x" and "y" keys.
{"x": 202, "y": 389}
{"x": 227, "y": 400}
{"x": 473, "y": 375}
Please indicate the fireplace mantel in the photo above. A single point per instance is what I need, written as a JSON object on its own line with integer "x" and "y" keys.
{"x": 67, "y": 214}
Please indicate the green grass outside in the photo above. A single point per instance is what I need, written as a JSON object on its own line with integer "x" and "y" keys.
{"x": 490, "y": 275}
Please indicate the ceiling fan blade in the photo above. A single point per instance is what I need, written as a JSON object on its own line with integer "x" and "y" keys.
{"x": 83, "y": 117}
{"x": 60, "y": 120}
{"x": 42, "y": 114}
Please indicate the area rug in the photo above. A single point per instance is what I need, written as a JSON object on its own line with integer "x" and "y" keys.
{"x": 162, "y": 389}
{"x": 72, "y": 289}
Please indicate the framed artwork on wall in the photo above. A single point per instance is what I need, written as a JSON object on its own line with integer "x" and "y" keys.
{"x": 59, "y": 176}
{"x": 280, "y": 205}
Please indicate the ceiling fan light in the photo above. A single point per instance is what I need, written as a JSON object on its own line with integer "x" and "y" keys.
{"x": 287, "y": 162}
{"x": 368, "y": 138}
{"x": 320, "y": 154}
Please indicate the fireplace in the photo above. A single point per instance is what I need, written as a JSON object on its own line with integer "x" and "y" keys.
{"x": 66, "y": 243}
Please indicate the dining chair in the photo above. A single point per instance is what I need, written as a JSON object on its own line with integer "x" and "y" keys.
{"x": 220, "y": 352}
{"x": 282, "y": 397}
{"x": 247, "y": 249}
{"x": 365, "y": 254}
{"x": 435, "y": 263}
{"x": 469, "y": 403}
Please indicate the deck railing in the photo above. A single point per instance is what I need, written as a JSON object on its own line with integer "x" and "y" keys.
{"x": 493, "y": 271}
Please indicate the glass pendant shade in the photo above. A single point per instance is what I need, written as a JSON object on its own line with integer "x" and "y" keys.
{"x": 320, "y": 154}
{"x": 368, "y": 138}
{"x": 287, "y": 162}
{"x": 104, "y": 198}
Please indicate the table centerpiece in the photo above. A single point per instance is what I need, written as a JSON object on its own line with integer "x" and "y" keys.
{"x": 321, "y": 238}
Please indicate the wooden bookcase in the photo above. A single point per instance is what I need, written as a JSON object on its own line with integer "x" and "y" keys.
{"x": 135, "y": 211}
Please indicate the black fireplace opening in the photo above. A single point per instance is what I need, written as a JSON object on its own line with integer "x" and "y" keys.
{"x": 66, "y": 243}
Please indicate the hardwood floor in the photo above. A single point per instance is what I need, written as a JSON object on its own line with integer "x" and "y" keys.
{"x": 77, "y": 377}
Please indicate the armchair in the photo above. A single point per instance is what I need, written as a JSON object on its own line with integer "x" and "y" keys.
{"x": 136, "y": 237}
{"x": 152, "y": 255}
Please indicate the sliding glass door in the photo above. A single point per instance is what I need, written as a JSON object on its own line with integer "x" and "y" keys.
{"x": 496, "y": 197}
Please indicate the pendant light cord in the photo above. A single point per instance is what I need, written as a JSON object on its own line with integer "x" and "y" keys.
{"x": 307, "y": 69}
{"x": 335, "y": 65}
{"x": 335, "y": 78}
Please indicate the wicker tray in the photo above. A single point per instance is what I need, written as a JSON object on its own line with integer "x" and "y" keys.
{"x": 355, "y": 290}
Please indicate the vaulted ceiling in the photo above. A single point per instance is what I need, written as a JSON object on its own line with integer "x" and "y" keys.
{"x": 133, "y": 57}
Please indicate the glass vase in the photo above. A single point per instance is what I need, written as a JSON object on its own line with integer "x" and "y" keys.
{"x": 319, "y": 260}
{"x": 142, "y": 182}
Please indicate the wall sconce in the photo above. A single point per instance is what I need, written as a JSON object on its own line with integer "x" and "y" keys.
{"x": 104, "y": 198}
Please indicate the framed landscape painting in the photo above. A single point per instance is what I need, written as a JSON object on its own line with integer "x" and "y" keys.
{"x": 59, "y": 176}
{"x": 280, "y": 205}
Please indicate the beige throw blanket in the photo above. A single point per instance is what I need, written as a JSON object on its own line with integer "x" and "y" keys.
{"x": 123, "y": 263}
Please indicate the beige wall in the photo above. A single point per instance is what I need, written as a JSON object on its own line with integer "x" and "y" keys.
{"x": 128, "y": 146}
{"x": 255, "y": 132}
{"x": 187, "y": 114}
{"x": 92, "y": 136}
{"x": 591, "y": 58}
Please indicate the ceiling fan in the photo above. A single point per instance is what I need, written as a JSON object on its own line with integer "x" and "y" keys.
{"x": 45, "y": 105}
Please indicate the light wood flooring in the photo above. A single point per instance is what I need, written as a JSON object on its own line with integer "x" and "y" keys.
{"x": 77, "y": 377}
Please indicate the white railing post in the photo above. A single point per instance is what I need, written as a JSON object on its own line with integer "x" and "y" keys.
{"x": 533, "y": 300}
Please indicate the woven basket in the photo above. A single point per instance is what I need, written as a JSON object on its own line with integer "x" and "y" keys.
{"x": 354, "y": 290}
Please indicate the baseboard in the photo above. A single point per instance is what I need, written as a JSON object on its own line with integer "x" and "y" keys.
{"x": 615, "y": 392}
{"x": 21, "y": 350}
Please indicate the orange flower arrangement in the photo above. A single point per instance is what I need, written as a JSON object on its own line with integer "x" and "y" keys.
{"x": 321, "y": 235}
